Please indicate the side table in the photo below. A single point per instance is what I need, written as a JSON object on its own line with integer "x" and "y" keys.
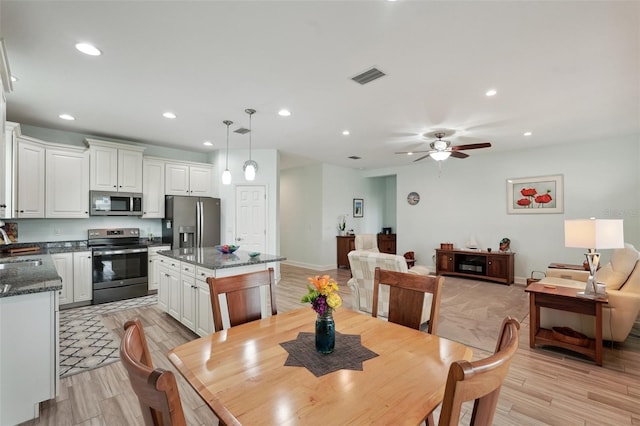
{"x": 563, "y": 299}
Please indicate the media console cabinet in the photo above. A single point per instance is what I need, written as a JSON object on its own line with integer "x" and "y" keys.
{"x": 484, "y": 265}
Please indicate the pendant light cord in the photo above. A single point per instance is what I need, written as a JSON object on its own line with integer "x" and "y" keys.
{"x": 226, "y": 163}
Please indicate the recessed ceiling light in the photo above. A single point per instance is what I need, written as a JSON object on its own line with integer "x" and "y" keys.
{"x": 88, "y": 49}
{"x": 528, "y": 133}
{"x": 207, "y": 143}
{"x": 169, "y": 114}
{"x": 346, "y": 132}
{"x": 14, "y": 78}
{"x": 67, "y": 117}
{"x": 409, "y": 153}
{"x": 284, "y": 112}
{"x": 491, "y": 92}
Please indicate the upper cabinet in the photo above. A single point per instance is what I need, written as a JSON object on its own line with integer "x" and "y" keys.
{"x": 7, "y": 171}
{"x": 152, "y": 188}
{"x": 6, "y": 145}
{"x": 114, "y": 166}
{"x": 67, "y": 183}
{"x": 192, "y": 179}
{"x": 51, "y": 180}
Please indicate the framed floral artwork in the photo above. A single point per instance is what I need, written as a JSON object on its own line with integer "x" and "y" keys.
{"x": 535, "y": 195}
{"x": 358, "y": 207}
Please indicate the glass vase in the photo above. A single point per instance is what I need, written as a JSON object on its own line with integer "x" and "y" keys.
{"x": 325, "y": 333}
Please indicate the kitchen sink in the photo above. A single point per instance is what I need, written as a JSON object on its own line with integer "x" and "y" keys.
{"x": 20, "y": 263}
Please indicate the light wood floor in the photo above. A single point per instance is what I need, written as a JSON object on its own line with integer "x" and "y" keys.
{"x": 543, "y": 386}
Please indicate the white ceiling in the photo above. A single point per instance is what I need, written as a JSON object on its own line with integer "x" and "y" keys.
{"x": 566, "y": 71}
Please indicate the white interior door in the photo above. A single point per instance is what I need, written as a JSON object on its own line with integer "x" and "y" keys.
{"x": 251, "y": 218}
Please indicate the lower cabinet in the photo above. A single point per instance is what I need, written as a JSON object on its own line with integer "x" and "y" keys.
{"x": 29, "y": 349}
{"x": 184, "y": 294}
{"x": 153, "y": 273}
{"x": 77, "y": 282}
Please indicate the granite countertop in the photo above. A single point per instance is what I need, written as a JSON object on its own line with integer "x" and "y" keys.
{"x": 29, "y": 279}
{"x": 211, "y": 258}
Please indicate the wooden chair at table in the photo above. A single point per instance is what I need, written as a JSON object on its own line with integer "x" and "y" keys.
{"x": 243, "y": 296}
{"x": 480, "y": 381}
{"x": 156, "y": 389}
{"x": 406, "y": 297}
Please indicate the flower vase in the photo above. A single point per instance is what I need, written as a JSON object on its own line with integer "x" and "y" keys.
{"x": 325, "y": 333}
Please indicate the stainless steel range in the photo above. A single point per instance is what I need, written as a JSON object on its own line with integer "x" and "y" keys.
{"x": 119, "y": 264}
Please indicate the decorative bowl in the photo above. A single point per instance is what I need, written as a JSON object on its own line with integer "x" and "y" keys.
{"x": 254, "y": 254}
{"x": 227, "y": 248}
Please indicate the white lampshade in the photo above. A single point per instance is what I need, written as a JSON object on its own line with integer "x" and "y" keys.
{"x": 594, "y": 233}
{"x": 226, "y": 177}
{"x": 440, "y": 155}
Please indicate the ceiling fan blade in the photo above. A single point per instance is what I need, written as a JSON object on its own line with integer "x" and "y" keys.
{"x": 458, "y": 154}
{"x": 471, "y": 146}
{"x": 421, "y": 158}
{"x": 413, "y": 152}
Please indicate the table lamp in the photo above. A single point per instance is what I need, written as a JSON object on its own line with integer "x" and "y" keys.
{"x": 593, "y": 234}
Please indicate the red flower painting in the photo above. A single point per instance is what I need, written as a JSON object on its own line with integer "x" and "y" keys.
{"x": 540, "y": 194}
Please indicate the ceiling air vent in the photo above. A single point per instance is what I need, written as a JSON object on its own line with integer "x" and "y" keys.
{"x": 368, "y": 76}
{"x": 242, "y": 130}
{"x": 355, "y": 157}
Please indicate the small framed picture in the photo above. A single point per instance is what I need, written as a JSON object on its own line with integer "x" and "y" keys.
{"x": 540, "y": 194}
{"x": 358, "y": 207}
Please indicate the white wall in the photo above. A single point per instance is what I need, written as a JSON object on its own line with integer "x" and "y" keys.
{"x": 469, "y": 197}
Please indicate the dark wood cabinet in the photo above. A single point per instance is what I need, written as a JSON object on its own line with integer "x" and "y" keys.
{"x": 476, "y": 264}
{"x": 345, "y": 245}
{"x": 387, "y": 243}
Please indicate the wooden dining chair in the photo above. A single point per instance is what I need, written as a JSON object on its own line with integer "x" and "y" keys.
{"x": 156, "y": 389}
{"x": 406, "y": 297}
{"x": 479, "y": 381}
{"x": 243, "y": 296}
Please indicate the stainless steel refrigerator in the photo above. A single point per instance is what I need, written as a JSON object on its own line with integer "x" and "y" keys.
{"x": 191, "y": 222}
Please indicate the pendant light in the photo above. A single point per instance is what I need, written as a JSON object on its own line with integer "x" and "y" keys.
{"x": 250, "y": 167}
{"x": 226, "y": 175}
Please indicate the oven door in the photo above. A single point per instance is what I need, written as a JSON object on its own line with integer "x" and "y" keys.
{"x": 119, "y": 273}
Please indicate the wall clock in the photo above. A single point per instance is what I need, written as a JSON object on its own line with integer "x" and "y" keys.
{"x": 413, "y": 198}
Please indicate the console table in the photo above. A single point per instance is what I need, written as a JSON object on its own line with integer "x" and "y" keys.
{"x": 563, "y": 299}
{"x": 492, "y": 266}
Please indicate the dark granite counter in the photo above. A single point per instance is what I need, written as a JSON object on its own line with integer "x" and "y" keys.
{"x": 211, "y": 258}
{"x": 28, "y": 277}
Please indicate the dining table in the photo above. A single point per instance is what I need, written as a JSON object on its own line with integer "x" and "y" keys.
{"x": 240, "y": 372}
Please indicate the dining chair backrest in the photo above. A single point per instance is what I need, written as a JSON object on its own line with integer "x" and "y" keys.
{"x": 406, "y": 297}
{"x": 243, "y": 296}
{"x": 479, "y": 381}
{"x": 156, "y": 389}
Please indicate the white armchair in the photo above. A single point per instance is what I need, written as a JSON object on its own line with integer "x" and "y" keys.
{"x": 367, "y": 242}
{"x": 363, "y": 265}
{"x": 622, "y": 278}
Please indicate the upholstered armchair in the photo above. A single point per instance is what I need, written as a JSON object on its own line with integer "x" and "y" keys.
{"x": 367, "y": 242}
{"x": 363, "y": 265}
{"x": 622, "y": 278}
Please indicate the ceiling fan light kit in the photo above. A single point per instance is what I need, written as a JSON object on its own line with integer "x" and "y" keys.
{"x": 441, "y": 149}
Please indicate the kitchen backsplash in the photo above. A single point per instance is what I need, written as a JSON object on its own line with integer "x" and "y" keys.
{"x": 36, "y": 230}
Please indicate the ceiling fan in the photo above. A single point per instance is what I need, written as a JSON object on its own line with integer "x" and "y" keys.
{"x": 441, "y": 149}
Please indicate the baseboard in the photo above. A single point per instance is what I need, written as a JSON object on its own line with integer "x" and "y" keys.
{"x": 309, "y": 266}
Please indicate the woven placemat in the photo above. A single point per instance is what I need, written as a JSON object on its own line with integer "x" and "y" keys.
{"x": 349, "y": 354}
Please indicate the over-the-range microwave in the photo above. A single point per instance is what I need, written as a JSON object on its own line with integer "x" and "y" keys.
{"x": 115, "y": 203}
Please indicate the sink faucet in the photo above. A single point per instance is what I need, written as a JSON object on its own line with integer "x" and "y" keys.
{"x": 5, "y": 237}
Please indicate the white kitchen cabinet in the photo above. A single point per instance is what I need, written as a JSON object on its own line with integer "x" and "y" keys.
{"x": 8, "y": 148}
{"x": 29, "y": 353}
{"x": 189, "y": 179}
{"x": 30, "y": 180}
{"x": 75, "y": 269}
{"x": 82, "y": 276}
{"x": 188, "y": 295}
{"x": 163, "y": 279}
{"x": 204, "y": 312}
{"x": 153, "y": 273}
{"x": 169, "y": 290}
{"x": 64, "y": 266}
{"x": 153, "y": 189}
{"x": 115, "y": 167}
{"x": 67, "y": 183}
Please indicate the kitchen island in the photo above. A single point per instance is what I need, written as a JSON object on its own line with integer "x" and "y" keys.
{"x": 183, "y": 291}
{"x": 29, "y": 288}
